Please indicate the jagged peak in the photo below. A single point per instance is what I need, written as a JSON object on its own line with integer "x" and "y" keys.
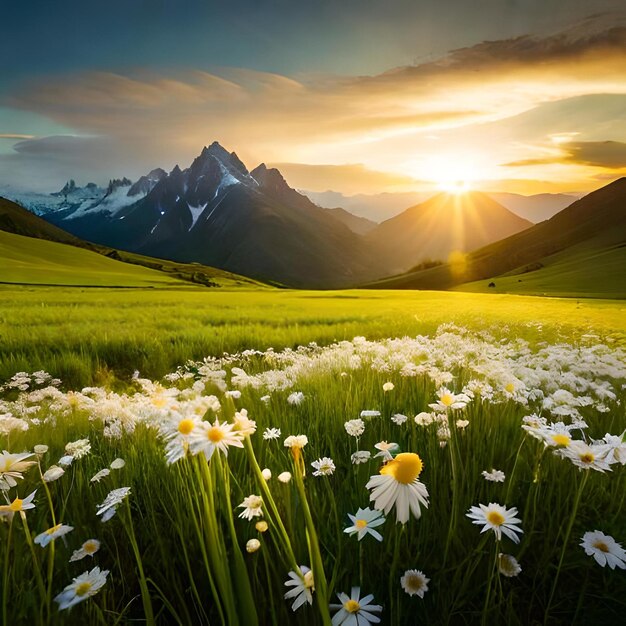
{"x": 115, "y": 183}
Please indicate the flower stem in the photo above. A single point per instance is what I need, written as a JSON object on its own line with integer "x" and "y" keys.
{"x": 565, "y": 541}
{"x": 5, "y": 575}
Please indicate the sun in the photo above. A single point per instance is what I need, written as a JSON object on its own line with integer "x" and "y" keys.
{"x": 455, "y": 186}
{"x": 454, "y": 174}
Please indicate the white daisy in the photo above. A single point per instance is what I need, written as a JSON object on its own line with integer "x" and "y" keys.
{"x": 211, "y": 437}
{"x": 497, "y": 518}
{"x": 78, "y": 449}
{"x": 295, "y": 398}
{"x": 117, "y": 464}
{"x": 302, "y": 587}
{"x": 243, "y": 424}
{"x": 271, "y": 433}
{"x": 82, "y": 587}
{"x": 604, "y": 549}
{"x": 323, "y": 467}
{"x": 585, "y": 456}
{"x": 89, "y": 548}
{"x": 385, "y": 450}
{"x": 177, "y": 430}
{"x": 18, "y": 505}
{"x": 388, "y": 386}
{"x": 414, "y": 582}
{"x": 508, "y": 565}
{"x": 360, "y": 456}
{"x": 354, "y": 610}
{"x": 355, "y": 428}
{"x": 96, "y": 478}
{"x": 448, "y": 400}
{"x": 364, "y": 522}
{"x": 54, "y": 472}
{"x": 51, "y": 534}
{"x": 109, "y": 506}
{"x": 397, "y": 485}
{"x": 399, "y": 419}
{"x": 251, "y": 507}
{"x": 284, "y": 477}
{"x": 12, "y": 466}
{"x": 494, "y": 476}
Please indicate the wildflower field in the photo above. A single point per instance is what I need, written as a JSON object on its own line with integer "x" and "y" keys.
{"x": 275, "y": 457}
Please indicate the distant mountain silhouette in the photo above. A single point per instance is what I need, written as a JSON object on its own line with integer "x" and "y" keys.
{"x": 444, "y": 224}
{"x": 594, "y": 224}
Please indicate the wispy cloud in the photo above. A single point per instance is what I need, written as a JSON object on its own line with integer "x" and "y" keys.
{"x": 387, "y": 121}
{"x": 607, "y": 154}
{"x": 15, "y": 136}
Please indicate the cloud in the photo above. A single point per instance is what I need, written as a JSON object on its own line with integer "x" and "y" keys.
{"x": 15, "y": 136}
{"x": 351, "y": 179}
{"x": 386, "y": 121}
{"x": 607, "y": 154}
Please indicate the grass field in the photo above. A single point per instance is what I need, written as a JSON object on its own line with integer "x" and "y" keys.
{"x": 178, "y": 552}
{"x": 85, "y": 336}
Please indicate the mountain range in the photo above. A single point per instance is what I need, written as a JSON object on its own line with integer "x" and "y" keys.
{"x": 383, "y": 206}
{"x": 581, "y": 250}
{"x": 218, "y": 213}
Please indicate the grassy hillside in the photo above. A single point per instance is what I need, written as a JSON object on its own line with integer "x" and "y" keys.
{"x": 27, "y": 260}
{"x": 581, "y": 271}
{"x": 19, "y": 268}
{"x": 20, "y": 221}
{"x": 576, "y": 236}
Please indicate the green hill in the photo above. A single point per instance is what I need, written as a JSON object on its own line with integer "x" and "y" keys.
{"x": 579, "y": 251}
{"x": 27, "y": 260}
{"x": 33, "y": 251}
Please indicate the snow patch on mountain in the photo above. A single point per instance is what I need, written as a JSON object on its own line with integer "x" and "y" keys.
{"x": 196, "y": 212}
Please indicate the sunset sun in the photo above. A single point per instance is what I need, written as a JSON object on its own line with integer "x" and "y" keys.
{"x": 451, "y": 173}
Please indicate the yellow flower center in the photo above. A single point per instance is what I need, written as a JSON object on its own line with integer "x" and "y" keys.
{"x": 600, "y": 545}
{"x": 308, "y": 579}
{"x": 83, "y": 588}
{"x": 510, "y": 388}
{"x": 16, "y": 505}
{"x": 405, "y": 468}
{"x": 587, "y": 457}
{"x": 215, "y": 434}
{"x": 352, "y": 606}
{"x": 185, "y": 426}
{"x": 561, "y": 440}
{"x": 446, "y": 399}
{"x": 90, "y": 547}
{"x": 159, "y": 401}
{"x": 414, "y": 583}
{"x": 495, "y": 518}
{"x": 360, "y": 523}
{"x": 52, "y": 530}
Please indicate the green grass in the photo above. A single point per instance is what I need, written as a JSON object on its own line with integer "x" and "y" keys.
{"x": 36, "y": 261}
{"x": 89, "y": 335}
{"x": 155, "y": 544}
{"x": 31, "y": 261}
{"x": 583, "y": 271}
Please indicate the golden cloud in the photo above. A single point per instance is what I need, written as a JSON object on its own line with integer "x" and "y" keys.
{"x": 382, "y": 121}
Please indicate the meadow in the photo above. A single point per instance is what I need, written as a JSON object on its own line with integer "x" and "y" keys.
{"x": 473, "y": 383}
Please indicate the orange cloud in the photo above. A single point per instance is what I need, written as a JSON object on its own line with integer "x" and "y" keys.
{"x": 385, "y": 121}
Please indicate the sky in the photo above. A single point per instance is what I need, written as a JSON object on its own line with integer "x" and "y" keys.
{"x": 357, "y": 96}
